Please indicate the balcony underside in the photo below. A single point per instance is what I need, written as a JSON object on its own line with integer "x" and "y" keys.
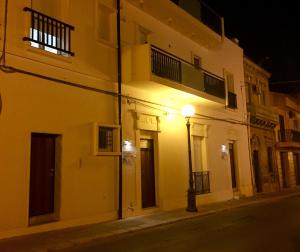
{"x": 174, "y": 93}
{"x": 288, "y": 146}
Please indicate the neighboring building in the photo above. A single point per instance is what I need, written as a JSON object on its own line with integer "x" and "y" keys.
{"x": 49, "y": 170}
{"x": 263, "y": 120}
{"x": 288, "y": 139}
{"x": 171, "y": 57}
{"x": 59, "y": 127}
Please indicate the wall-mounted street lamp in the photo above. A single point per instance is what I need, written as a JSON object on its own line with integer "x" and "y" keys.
{"x": 188, "y": 111}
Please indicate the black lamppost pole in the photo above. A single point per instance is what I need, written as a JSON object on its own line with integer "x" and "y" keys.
{"x": 188, "y": 111}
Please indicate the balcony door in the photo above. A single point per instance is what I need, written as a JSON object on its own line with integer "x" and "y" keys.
{"x": 147, "y": 173}
{"x": 282, "y": 128}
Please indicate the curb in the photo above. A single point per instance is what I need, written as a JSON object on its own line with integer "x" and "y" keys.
{"x": 73, "y": 243}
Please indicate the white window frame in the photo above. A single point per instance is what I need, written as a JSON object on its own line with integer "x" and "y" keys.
{"x": 116, "y": 139}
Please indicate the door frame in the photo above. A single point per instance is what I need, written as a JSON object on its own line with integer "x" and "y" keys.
{"x": 153, "y": 135}
{"x": 55, "y": 216}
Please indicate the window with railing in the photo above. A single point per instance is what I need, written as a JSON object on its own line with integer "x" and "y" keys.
{"x": 49, "y": 34}
{"x": 201, "y": 182}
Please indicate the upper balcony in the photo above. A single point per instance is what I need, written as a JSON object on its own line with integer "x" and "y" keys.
{"x": 193, "y": 19}
{"x": 202, "y": 12}
{"x": 262, "y": 116}
{"x": 145, "y": 63}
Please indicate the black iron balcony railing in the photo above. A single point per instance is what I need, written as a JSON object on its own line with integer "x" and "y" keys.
{"x": 169, "y": 66}
{"x": 201, "y": 182}
{"x": 202, "y": 12}
{"x": 289, "y": 136}
{"x": 232, "y": 103}
{"x": 214, "y": 86}
{"x": 49, "y": 33}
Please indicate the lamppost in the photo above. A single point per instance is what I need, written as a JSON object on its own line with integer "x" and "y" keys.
{"x": 187, "y": 112}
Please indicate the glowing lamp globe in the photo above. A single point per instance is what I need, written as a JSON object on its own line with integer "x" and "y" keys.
{"x": 188, "y": 111}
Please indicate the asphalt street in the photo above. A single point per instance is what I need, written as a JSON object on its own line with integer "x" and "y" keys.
{"x": 272, "y": 226}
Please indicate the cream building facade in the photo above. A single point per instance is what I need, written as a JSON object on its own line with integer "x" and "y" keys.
{"x": 170, "y": 59}
{"x": 59, "y": 129}
{"x": 263, "y": 120}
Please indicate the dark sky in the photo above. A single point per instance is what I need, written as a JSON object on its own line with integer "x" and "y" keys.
{"x": 268, "y": 31}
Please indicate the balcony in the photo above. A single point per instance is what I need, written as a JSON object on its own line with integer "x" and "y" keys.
{"x": 145, "y": 63}
{"x": 49, "y": 34}
{"x": 288, "y": 139}
{"x": 191, "y": 18}
{"x": 262, "y": 116}
{"x": 201, "y": 182}
{"x": 202, "y": 12}
{"x": 166, "y": 65}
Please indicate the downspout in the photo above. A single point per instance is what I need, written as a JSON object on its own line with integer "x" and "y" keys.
{"x": 250, "y": 153}
{"x": 120, "y": 200}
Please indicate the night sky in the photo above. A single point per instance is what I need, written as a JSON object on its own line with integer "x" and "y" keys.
{"x": 269, "y": 33}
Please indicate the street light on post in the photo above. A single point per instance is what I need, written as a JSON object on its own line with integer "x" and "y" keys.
{"x": 188, "y": 111}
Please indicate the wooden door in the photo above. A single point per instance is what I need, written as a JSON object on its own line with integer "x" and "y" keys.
{"x": 42, "y": 174}
{"x": 284, "y": 165}
{"x": 297, "y": 167}
{"x": 255, "y": 161}
{"x": 147, "y": 173}
{"x": 232, "y": 165}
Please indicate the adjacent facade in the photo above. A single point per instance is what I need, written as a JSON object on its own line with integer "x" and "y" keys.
{"x": 288, "y": 139}
{"x": 59, "y": 128}
{"x": 263, "y": 119}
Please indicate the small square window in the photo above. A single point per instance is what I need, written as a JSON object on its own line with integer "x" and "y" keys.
{"x": 106, "y": 139}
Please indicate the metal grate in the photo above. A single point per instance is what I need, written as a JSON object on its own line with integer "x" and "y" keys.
{"x": 201, "y": 181}
{"x": 105, "y": 140}
{"x": 49, "y": 33}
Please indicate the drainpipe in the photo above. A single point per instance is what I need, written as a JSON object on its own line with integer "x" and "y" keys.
{"x": 120, "y": 212}
{"x": 250, "y": 153}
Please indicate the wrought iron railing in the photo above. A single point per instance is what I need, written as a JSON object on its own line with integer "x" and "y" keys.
{"x": 165, "y": 66}
{"x": 203, "y": 13}
{"x": 171, "y": 67}
{"x": 232, "y": 103}
{"x": 289, "y": 136}
{"x": 214, "y": 86}
{"x": 201, "y": 182}
{"x": 49, "y": 32}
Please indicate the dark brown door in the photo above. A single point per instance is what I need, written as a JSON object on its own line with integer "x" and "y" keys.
{"x": 255, "y": 161}
{"x": 148, "y": 173}
{"x": 297, "y": 167}
{"x": 42, "y": 174}
{"x": 232, "y": 165}
{"x": 284, "y": 165}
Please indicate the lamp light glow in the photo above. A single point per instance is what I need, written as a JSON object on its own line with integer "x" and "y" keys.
{"x": 188, "y": 110}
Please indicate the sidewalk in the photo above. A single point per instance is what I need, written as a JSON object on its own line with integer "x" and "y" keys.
{"x": 55, "y": 240}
